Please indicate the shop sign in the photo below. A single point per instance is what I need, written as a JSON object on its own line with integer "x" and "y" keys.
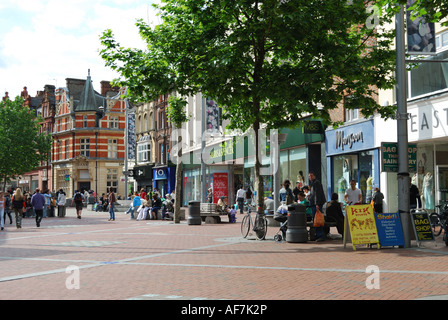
{"x": 160, "y": 174}
{"x": 356, "y": 137}
{"x": 362, "y": 226}
{"x": 422, "y": 227}
{"x": 389, "y": 157}
{"x": 389, "y": 229}
{"x": 312, "y": 126}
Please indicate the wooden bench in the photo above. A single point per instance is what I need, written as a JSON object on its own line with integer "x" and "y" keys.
{"x": 210, "y": 214}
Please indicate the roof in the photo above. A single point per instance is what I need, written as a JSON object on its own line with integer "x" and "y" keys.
{"x": 89, "y": 100}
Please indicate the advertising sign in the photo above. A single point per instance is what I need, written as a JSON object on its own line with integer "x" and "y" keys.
{"x": 389, "y": 157}
{"x": 422, "y": 227}
{"x": 220, "y": 186}
{"x": 362, "y": 226}
{"x": 389, "y": 229}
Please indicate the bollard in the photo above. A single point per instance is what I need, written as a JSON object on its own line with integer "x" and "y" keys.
{"x": 296, "y": 231}
{"x": 194, "y": 213}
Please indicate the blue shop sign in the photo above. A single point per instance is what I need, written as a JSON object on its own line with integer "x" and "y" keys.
{"x": 356, "y": 137}
{"x": 160, "y": 174}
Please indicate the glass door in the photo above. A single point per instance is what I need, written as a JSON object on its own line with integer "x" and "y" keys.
{"x": 442, "y": 183}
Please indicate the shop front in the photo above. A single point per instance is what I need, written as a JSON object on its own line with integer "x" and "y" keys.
{"x": 164, "y": 179}
{"x": 143, "y": 176}
{"x": 234, "y": 159}
{"x": 428, "y": 129}
{"x": 352, "y": 155}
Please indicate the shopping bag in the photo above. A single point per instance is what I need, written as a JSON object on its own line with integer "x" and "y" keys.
{"x": 319, "y": 219}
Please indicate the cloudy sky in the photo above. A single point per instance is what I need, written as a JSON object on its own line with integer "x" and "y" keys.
{"x": 46, "y": 41}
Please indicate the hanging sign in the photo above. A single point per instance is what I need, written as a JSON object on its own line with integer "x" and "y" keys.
{"x": 361, "y": 225}
{"x": 389, "y": 229}
{"x": 220, "y": 186}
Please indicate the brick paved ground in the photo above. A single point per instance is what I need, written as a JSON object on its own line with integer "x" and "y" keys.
{"x": 160, "y": 260}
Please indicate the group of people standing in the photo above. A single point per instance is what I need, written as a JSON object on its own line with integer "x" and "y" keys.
{"x": 27, "y": 205}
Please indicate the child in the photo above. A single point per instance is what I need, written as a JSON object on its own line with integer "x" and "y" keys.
{"x": 303, "y": 200}
{"x": 232, "y": 214}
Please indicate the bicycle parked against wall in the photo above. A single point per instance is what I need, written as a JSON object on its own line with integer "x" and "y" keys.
{"x": 259, "y": 225}
{"x": 439, "y": 221}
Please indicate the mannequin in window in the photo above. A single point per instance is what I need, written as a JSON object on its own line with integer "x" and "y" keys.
{"x": 428, "y": 190}
{"x": 342, "y": 186}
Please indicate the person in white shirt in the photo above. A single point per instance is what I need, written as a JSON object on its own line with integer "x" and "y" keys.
{"x": 240, "y": 196}
{"x": 353, "y": 195}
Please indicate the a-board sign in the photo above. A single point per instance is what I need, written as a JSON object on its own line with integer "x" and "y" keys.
{"x": 390, "y": 231}
{"x": 422, "y": 226}
{"x": 362, "y": 226}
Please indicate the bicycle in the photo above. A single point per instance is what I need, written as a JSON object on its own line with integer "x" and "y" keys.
{"x": 439, "y": 222}
{"x": 259, "y": 225}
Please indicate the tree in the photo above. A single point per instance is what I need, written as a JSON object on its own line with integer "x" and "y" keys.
{"x": 431, "y": 10}
{"x": 266, "y": 62}
{"x": 22, "y": 147}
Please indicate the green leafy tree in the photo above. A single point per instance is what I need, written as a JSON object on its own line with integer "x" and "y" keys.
{"x": 266, "y": 62}
{"x": 22, "y": 147}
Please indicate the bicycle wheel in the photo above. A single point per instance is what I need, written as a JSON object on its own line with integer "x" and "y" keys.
{"x": 436, "y": 224}
{"x": 245, "y": 226}
{"x": 261, "y": 228}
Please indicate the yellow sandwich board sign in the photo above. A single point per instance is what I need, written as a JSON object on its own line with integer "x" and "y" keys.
{"x": 361, "y": 225}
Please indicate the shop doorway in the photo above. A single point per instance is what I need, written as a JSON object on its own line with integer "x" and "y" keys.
{"x": 442, "y": 184}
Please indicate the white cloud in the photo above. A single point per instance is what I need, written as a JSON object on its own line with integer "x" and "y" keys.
{"x": 61, "y": 41}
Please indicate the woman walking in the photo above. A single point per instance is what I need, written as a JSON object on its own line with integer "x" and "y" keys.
{"x": 2, "y": 210}
{"x": 17, "y": 205}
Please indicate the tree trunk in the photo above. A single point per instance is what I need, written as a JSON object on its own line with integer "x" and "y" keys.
{"x": 258, "y": 176}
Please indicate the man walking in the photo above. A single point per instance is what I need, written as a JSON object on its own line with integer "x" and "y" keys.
{"x": 38, "y": 202}
{"x": 317, "y": 199}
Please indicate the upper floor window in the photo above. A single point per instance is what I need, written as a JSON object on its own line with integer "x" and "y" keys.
{"x": 84, "y": 120}
{"x": 113, "y": 122}
{"x": 85, "y": 147}
{"x": 112, "y": 148}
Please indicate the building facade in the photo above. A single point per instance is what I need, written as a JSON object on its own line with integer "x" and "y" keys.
{"x": 88, "y": 151}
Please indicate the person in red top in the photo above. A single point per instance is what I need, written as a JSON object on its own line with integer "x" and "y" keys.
{"x": 142, "y": 194}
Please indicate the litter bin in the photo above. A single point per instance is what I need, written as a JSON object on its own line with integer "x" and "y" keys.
{"x": 194, "y": 213}
{"x": 296, "y": 231}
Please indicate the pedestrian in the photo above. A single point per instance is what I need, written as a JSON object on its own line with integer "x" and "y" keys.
{"x": 334, "y": 212}
{"x": 378, "y": 200}
{"x": 112, "y": 199}
{"x": 78, "y": 199}
{"x": 249, "y": 195}
{"x": 2, "y": 210}
{"x": 414, "y": 197}
{"x": 285, "y": 194}
{"x": 136, "y": 202}
{"x": 240, "y": 195}
{"x": 316, "y": 198}
{"x": 353, "y": 195}
{"x": 142, "y": 194}
{"x": 47, "y": 197}
{"x": 62, "y": 200}
{"x": 17, "y": 205}
{"x": 38, "y": 203}
{"x": 297, "y": 189}
{"x": 7, "y": 196}
{"x": 156, "y": 205}
{"x": 210, "y": 195}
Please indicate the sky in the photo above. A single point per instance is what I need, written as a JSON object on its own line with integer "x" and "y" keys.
{"x": 47, "y": 41}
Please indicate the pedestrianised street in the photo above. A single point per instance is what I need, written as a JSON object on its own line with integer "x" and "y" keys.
{"x": 95, "y": 259}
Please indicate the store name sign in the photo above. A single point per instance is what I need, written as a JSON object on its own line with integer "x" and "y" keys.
{"x": 428, "y": 121}
{"x": 342, "y": 140}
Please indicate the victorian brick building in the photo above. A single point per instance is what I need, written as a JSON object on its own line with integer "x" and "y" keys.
{"x": 88, "y": 149}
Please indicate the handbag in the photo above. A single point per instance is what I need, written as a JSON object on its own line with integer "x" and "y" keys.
{"x": 319, "y": 219}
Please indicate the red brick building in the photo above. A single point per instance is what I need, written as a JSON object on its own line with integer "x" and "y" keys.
{"x": 88, "y": 149}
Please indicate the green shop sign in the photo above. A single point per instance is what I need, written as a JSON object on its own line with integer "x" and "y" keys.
{"x": 389, "y": 157}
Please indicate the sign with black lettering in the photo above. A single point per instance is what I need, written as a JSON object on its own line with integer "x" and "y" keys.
{"x": 422, "y": 227}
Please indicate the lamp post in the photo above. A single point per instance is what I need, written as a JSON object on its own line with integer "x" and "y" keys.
{"x": 402, "y": 130}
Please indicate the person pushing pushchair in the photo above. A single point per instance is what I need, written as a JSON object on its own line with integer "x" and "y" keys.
{"x": 281, "y": 215}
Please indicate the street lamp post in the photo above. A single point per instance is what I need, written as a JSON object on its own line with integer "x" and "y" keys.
{"x": 402, "y": 129}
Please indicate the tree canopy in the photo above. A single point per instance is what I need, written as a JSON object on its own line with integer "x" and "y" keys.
{"x": 22, "y": 147}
